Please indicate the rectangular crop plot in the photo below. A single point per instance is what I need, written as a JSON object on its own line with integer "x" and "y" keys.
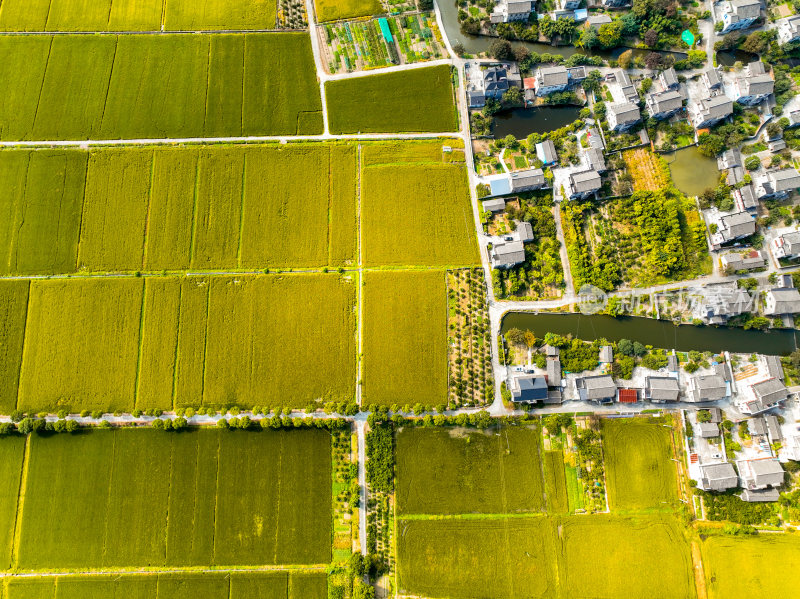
{"x": 119, "y": 343}
{"x": 502, "y": 558}
{"x": 136, "y": 15}
{"x": 555, "y": 482}
{"x": 155, "y": 209}
{"x": 763, "y": 565}
{"x": 12, "y": 450}
{"x": 166, "y": 86}
{"x": 417, "y": 215}
{"x": 81, "y": 345}
{"x": 405, "y": 337}
{"x": 455, "y": 471}
{"x": 334, "y": 10}
{"x": 235, "y": 585}
{"x": 189, "y": 508}
{"x": 415, "y": 101}
{"x": 639, "y": 471}
{"x": 619, "y": 557}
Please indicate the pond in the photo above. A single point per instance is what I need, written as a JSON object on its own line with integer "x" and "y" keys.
{"x": 521, "y": 122}
{"x": 692, "y": 172}
{"x": 727, "y": 58}
{"x": 474, "y": 44}
{"x": 657, "y": 333}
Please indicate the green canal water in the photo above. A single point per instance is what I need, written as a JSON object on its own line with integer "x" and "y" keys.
{"x": 657, "y": 333}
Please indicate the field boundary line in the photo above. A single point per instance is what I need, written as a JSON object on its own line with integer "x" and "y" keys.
{"x": 216, "y": 499}
{"x": 205, "y": 341}
{"x": 44, "y": 77}
{"x": 361, "y": 281}
{"x": 194, "y": 208}
{"x": 177, "y": 347}
{"x": 149, "y": 208}
{"x": 475, "y": 516}
{"x": 83, "y": 205}
{"x": 16, "y": 538}
{"x": 289, "y": 568}
{"x": 278, "y": 502}
{"x": 22, "y": 351}
{"x": 110, "y": 79}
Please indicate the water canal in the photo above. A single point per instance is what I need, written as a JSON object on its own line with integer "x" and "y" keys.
{"x": 657, "y": 333}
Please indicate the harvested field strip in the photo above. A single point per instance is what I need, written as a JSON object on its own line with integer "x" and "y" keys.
{"x": 455, "y": 471}
{"x": 405, "y": 338}
{"x": 132, "y": 87}
{"x": 555, "y": 482}
{"x": 418, "y": 215}
{"x": 415, "y": 101}
{"x": 161, "y": 209}
{"x": 390, "y": 153}
{"x": 232, "y": 585}
{"x": 639, "y": 471}
{"x": 264, "y": 515}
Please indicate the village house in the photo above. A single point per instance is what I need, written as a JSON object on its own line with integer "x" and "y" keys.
{"x": 759, "y": 475}
{"x": 745, "y": 198}
{"x": 662, "y": 105}
{"x": 494, "y": 205}
{"x": 491, "y": 82}
{"x": 738, "y": 261}
{"x": 733, "y": 226}
{"x": 597, "y": 20}
{"x": 528, "y": 388}
{"x": 546, "y": 152}
{"x": 550, "y": 80}
{"x": 718, "y": 477}
{"x": 776, "y": 184}
{"x": 595, "y": 159}
{"x": 781, "y": 300}
{"x": 786, "y": 245}
{"x": 627, "y": 91}
{"x": 716, "y": 305}
{"x": 754, "y": 85}
{"x": 668, "y": 79}
{"x": 712, "y": 81}
{"x": 731, "y": 162}
{"x": 767, "y": 395}
{"x": 622, "y": 117}
{"x": 582, "y": 184}
{"x": 599, "y": 388}
{"x": 527, "y": 180}
{"x": 739, "y": 14}
{"x": 507, "y": 254}
{"x": 707, "y": 113}
{"x": 506, "y": 11}
{"x": 789, "y": 29}
{"x": 661, "y": 389}
{"x": 708, "y": 387}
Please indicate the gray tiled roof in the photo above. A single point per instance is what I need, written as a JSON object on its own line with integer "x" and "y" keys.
{"x": 710, "y": 387}
{"x": 626, "y": 112}
{"x": 738, "y": 224}
{"x": 599, "y": 387}
{"x": 525, "y": 231}
{"x": 660, "y": 102}
{"x": 757, "y": 85}
{"x": 718, "y": 477}
{"x": 662, "y": 388}
{"x": 787, "y": 301}
{"x": 585, "y": 181}
{"x": 527, "y": 179}
{"x": 784, "y": 180}
{"x": 552, "y": 76}
{"x": 707, "y": 430}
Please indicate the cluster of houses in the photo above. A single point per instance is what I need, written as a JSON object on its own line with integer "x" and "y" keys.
{"x": 758, "y": 475}
{"x": 508, "y": 11}
{"x": 719, "y": 303}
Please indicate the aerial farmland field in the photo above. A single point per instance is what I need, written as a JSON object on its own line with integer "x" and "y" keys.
{"x": 230, "y": 585}
{"x": 189, "y": 508}
{"x": 417, "y": 215}
{"x": 166, "y": 86}
{"x": 640, "y": 473}
{"x": 133, "y": 15}
{"x": 454, "y": 471}
{"x": 415, "y": 101}
{"x": 602, "y": 553}
{"x": 154, "y": 209}
{"x": 405, "y": 337}
{"x": 453, "y": 558}
{"x": 751, "y": 566}
{"x": 167, "y": 342}
{"x": 334, "y": 10}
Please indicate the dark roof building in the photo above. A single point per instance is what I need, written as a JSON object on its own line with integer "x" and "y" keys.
{"x": 528, "y": 388}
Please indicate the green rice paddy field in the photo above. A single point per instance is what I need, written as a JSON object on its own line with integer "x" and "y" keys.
{"x": 136, "y": 15}
{"x": 271, "y": 585}
{"x": 405, "y": 337}
{"x": 415, "y": 101}
{"x": 462, "y": 471}
{"x": 640, "y": 473}
{"x": 167, "y": 86}
{"x": 232, "y": 207}
{"x": 163, "y": 342}
{"x": 143, "y": 498}
{"x": 334, "y": 10}
{"x": 585, "y": 557}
